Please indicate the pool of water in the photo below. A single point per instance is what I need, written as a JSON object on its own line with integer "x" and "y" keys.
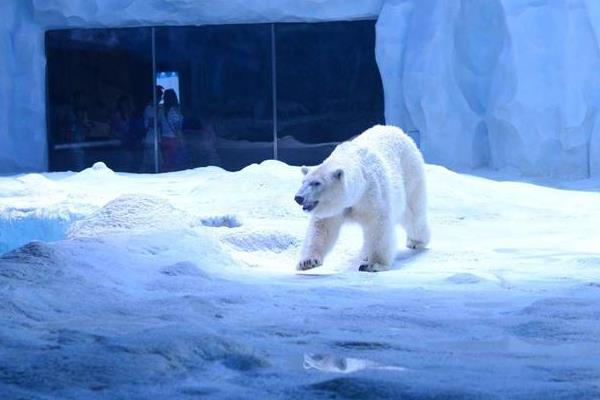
{"x": 18, "y": 228}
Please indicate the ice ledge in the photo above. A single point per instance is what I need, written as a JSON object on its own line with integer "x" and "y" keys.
{"x": 192, "y": 12}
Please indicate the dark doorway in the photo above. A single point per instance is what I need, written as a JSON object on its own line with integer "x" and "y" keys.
{"x": 229, "y": 95}
{"x": 328, "y": 87}
{"x": 98, "y": 83}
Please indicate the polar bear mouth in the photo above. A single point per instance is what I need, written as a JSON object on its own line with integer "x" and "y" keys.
{"x": 309, "y": 206}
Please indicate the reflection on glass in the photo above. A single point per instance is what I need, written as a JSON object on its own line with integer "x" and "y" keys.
{"x": 211, "y": 99}
{"x": 168, "y": 80}
{"x": 328, "y": 87}
{"x": 99, "y": 82}
{"x": 224, "y": 112}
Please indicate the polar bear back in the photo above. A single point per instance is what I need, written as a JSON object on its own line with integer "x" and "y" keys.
{"x": 400, "y": 156}
{"x": 394, "y": 147}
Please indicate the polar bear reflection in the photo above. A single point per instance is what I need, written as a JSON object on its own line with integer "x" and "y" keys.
{"x": 343, "y": 365}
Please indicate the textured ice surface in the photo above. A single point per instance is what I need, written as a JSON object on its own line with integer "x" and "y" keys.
{"x": 507, "y": 84}
{"x": 183, "y": 286}
{"x": 131, "y": 213}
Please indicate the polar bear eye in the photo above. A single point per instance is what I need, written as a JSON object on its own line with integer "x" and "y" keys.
{"x": 315, "y": 184}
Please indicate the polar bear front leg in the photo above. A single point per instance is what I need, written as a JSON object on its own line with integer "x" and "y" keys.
{"x": 319, "y": 240}
{"x": 379, "y": 245}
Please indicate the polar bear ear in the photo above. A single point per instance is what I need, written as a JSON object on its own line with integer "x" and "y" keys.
{"x": 304, "y": 170}
{"x": 338, "y": 173}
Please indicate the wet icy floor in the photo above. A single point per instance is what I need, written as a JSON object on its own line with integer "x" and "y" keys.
{"x": 182, "y": 286}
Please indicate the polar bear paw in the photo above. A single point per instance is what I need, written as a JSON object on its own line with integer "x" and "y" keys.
{"x": 308, "y": 263}
{"x": 372, "y": 267}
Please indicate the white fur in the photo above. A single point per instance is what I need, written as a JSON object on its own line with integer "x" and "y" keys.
{"x": 376, "y": 180}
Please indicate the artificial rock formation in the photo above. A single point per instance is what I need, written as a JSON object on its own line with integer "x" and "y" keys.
{"x": 506, "y": 84}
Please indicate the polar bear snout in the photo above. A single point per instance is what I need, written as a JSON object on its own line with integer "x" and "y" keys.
{"x": 306, "y": 205}
{"x": 309, "y": 206}
{"x": 306, "y": 197}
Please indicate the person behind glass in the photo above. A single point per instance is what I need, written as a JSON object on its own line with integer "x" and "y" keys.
{"x": 121, "y": 128}
{"x": 206, "y": 149}
{"x": 80, "y": 127}
{"x": 149, "y": 140}
{"x": 171, "y": 140}
{"x": 119, "y": 121}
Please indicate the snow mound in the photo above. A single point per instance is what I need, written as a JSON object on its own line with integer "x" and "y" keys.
{"x": 33, "y": 185}
{"x": 132, "y": 213}
{"x": 36, "y": 262}
{"x": 183, "y": 269}
{"x": 465, "y": 278}
{"x": 29, "y": 184}
{"x": 275, "y": 241}
{"x": 188, "y": 349}
{"x": 97, "y": 172}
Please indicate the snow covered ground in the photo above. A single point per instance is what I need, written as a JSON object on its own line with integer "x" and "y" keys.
{"x": 182, "y": 285}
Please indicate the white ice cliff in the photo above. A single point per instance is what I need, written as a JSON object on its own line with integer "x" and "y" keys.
{"x": 500, "y": 83}
{"x": 506, "y": 84}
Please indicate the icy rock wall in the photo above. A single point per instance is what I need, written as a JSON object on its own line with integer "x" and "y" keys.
{"x": 509, "y": 84}
{"x": 22, "y": 87}
{"x": 479, "y": 83}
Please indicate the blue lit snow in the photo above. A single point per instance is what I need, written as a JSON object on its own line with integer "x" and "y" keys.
{"x": 182, "y": 285}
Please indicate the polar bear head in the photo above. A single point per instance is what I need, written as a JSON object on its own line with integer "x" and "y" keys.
{"x": 322, "y": 192}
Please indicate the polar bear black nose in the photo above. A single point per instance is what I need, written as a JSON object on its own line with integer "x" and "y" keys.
{"x": 299, "y": 199}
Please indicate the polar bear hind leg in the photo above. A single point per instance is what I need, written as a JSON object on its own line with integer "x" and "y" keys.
{"x": 414, "y": 220}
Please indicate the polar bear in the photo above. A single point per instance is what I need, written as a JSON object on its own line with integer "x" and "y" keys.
{"x": 376, "y": 179}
